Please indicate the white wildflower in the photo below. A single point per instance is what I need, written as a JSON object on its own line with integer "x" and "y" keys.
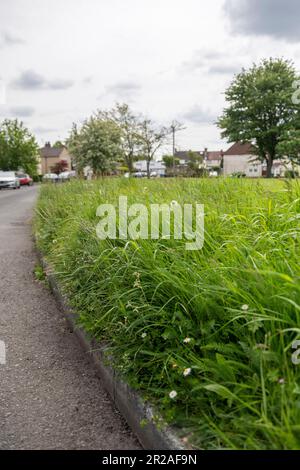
{"x": 187, "y": 371}
{"x": 173, "y": 394}
{"x": 174, "y": 203}
{"x": 144, "y": 335}
{"x": 187, "y": 340}
{"x": 245, "y": 308}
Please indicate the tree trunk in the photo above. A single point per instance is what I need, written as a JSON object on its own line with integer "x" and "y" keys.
{"x": 130, "y": 165}
{"x": 269, "y": 166}
{"x": 148, "y": 169}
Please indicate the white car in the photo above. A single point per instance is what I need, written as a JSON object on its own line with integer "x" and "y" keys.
{"x": 66, "y": 175}
{"x": 50, "y": 177}
{"x": 9, "y": 179}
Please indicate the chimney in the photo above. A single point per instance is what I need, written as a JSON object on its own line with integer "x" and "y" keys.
{"x": 47, "y": 144}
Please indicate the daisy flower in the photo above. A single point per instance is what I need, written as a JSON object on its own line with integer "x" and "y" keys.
{"x": 187, "y": 340}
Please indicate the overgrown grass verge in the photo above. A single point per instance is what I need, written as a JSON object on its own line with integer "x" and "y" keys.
{"x": 214, "y": 325}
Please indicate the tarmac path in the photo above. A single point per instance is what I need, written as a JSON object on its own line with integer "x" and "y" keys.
{"x": 50, "y": 396}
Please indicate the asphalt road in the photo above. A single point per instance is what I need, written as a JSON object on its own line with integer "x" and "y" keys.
{"x": 50, "y": 396}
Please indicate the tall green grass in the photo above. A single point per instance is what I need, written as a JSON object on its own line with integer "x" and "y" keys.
{"x": 237, "y": 300}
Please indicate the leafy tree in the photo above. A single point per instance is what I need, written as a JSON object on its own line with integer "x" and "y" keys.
{"x": 195, "y": 160}
{"x": 59, "y": 167}
{"x": 260, "y": 108}
{"x": 58, "y": 144}
{"x": 97, "y": 144}
{"x": 289, "y": 145}
{"x": 151, "y": 138}
{"x": 128, "y": 124}
{"x": 169, "y": 161}
{"x": 18, "y": 148}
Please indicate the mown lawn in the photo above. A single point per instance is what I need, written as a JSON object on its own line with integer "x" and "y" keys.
{"x": 216, "y": 326}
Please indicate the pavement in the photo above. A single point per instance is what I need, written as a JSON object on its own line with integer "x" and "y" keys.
{"x": 50, "y": 396}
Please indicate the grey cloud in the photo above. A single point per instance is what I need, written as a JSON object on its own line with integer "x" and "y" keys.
{"x": 59, "y": 84}
{"x": 21, "y": 111}
{"x": 224, "y": 69}
{"x": 31, "y": 80}
{"x": 9, "y": 39}
{"x": 199, "y": 115}
{"x": 275, "y": 18}
{"x": 126, "y": 88}
{"x": 210, "y": 60}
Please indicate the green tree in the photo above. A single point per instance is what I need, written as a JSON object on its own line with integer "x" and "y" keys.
{"x": 194, "y": 163}
{"x": 289, "y": 145}
{"x": 151, "y": 138}
{"x": 169, "y": 161}
{"x": 18, "y": 148}
{"x": 97, "y": 144}
{"x": 58, "y": 144}
{"x": 128, "y": 124}
{"x": 260, "y": 108}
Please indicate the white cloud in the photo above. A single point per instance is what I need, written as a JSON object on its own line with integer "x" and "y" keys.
{"x": 169, "y": 59}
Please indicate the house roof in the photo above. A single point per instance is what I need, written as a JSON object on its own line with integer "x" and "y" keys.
{"x": 185, "y": 155}
{"x": 240, "y": 149}
{"x": 49, "y": 151}
{"x": 215, "y": 155}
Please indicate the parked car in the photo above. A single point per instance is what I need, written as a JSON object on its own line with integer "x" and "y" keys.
{"x": 9, "y": 179}
{"x": 50, "y": 177}
{"x": 66, "y": 175}
{"x": 25, "y": 180}
{"x": 139, "y": 174}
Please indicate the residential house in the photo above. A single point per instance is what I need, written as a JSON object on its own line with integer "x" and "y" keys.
{"x": 280, "y": 167}
{"x": 49, "y": 156}
{"x": 208, "y": 160}
{"x": 240, "y": 159}
{"x": 213, "y": 160}
{"x": 184, "y": 157}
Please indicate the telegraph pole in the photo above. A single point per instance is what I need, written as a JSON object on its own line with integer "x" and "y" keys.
{"x": 176, "y": 126}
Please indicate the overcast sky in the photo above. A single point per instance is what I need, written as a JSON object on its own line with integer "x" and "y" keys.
{"x": 169, "y": 59}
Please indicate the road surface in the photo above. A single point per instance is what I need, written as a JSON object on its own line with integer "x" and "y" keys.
{"x": 50, "y": 396}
